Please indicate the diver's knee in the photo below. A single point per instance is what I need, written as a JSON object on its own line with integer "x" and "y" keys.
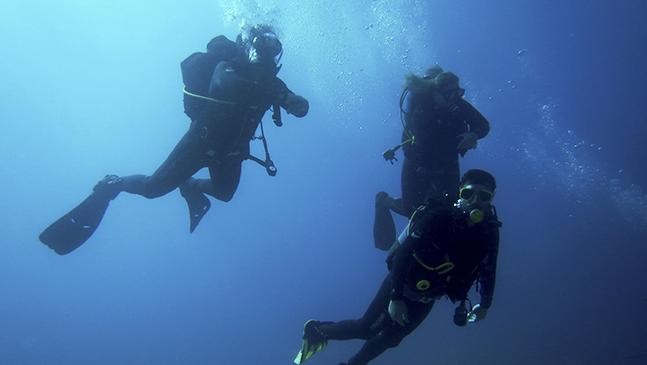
{"x": 153, "y": 189}
{"x": 393, "y": 341}
{"x": 224, "y": 196}
{"x": 368, "y": 328}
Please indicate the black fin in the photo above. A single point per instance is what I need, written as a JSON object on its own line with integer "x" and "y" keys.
{"x": 74, "y": 228}
{"x": 199, "y": 205}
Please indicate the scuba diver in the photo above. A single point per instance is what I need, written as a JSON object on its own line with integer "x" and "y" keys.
{"x": 439, "y": 125}
{"x": 227, "y": 91}
{"x": 443, "y": 251}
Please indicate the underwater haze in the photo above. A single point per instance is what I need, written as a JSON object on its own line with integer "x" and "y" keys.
{"x": 91, "y": 88}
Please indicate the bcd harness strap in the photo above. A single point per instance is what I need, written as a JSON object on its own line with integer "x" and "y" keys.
{"x": 276, "y": 117}
{"x": 206, "y": 98}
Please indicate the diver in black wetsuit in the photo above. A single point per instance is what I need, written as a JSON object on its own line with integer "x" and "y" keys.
{"x": 228, "y": 89}
{"x": 439, "y": 125}
{"x": 443, "y": 251}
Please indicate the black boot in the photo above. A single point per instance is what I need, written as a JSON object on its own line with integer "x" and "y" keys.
{"x": 109, "y": 187}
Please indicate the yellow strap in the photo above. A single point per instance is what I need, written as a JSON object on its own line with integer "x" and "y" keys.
{"x": 441, "y": 269}
{"x": 445, "y": 267}
{"x": 218, "y": 101}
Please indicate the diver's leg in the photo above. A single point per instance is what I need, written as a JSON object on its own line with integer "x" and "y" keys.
{"x": 383, "y": 226}
{"x": 384, "y": 232}
{"x": 78, "y": 225}
{"x": 222, "y": 186}
{"x": 451, "y": 180}
{"x": 443, "y": 182}
{"x": 185, "y": 160}
{"x": 223, "y": 183}
{"x": 414, "y": 187}
{"x": 316, "y": 334}
{"x": 369, "y": 324}
{"x": 392, "y": 334}
{"x": 224, "y": 179}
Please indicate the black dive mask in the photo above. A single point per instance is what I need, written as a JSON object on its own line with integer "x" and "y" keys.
{"x": 476, "y": 194}
{"x": 474, "y": 200}
{"x": 265, "y": 47}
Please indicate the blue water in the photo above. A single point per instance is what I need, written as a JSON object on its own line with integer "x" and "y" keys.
{"x": 94, "y": 87}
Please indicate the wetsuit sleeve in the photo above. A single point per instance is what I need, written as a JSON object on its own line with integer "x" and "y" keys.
{"x": 292, "y": 103}
{"x": 487, "y": 271}
{"x": 281, "y": 91}
{"x": 476, "y": 121}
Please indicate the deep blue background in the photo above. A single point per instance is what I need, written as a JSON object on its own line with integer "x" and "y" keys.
{"x": 93, "y": 87}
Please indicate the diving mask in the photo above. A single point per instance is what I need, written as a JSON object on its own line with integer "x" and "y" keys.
{"x": 265, "y": 46}
{"x": 472, "y": 198}
{"x": 476, "y": 194}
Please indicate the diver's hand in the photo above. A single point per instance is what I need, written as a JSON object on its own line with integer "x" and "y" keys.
{"x": 296, "y": 105}
{"x": 398, "y": 312}
{"x": 467, "y": 142}
{"x": 389, "y": 155}
{"x": 477, "y": 313}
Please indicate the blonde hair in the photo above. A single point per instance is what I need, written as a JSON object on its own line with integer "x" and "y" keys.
{"x": 425, "y": 83}
{"x": 446, "y": 78}
{"x": 418, "y": 84}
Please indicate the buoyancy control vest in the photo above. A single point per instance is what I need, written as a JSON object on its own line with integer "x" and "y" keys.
{"x": 447, "y": 263}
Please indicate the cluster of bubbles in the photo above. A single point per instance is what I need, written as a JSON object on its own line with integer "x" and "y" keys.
{"x": 561, "y": 156}
{"x": 248, "y": 12}
{"x": 343, "y": 47}
{"x": 397, "y": 30}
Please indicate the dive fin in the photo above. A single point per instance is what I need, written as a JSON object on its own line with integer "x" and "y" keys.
{"x": 311, "y": 344}
{"x": 199, "y": 205}
{"x": 74, "y": 228}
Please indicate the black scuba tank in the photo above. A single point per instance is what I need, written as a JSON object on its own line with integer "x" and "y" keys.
{"x": 198, "y": 68}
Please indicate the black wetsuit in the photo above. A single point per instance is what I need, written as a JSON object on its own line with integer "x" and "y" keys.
{"x": 220, "y": 131}
{"x": 430, "y": 168}
{"x": 435, "y": 238}
{"x": 226, "y": 96}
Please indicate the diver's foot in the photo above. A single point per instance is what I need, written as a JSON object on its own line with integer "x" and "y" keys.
{"x": 383, "y": 200}
{"x": 198, "y": 204}
{"x": 313, "y": 334}
{"x": 314, "y": 340}
{"x": 109, "y": 187}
